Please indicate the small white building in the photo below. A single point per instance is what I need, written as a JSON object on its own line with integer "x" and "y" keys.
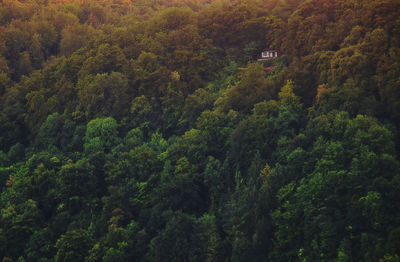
{"x": 269, "y": 54}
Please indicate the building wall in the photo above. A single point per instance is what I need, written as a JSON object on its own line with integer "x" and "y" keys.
{"x": 267, "y": 54}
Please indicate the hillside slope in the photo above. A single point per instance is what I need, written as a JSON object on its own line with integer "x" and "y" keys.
{"x": 148, "y": 131}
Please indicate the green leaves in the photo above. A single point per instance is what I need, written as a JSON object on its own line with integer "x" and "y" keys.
{"x": 104, "y": 95}
{"x": 252, "y": 88}
{"x": 147, "y": 130}
{"x": 101, "y": 133}
{"x": 73, "y": 246}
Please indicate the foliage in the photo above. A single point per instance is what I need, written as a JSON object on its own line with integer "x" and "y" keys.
{"x": 147, "y": 131}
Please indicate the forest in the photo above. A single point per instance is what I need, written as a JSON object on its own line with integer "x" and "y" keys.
{"x": 146, "y": 130}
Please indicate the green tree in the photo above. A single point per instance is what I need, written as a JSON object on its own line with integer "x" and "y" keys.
{"x": 104, "y": 95}
{"x": 74, "y": 245}
{"x": 102, "y": 131}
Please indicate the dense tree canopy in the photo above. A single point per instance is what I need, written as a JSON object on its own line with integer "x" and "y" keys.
{"x": 147, "y": 131}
